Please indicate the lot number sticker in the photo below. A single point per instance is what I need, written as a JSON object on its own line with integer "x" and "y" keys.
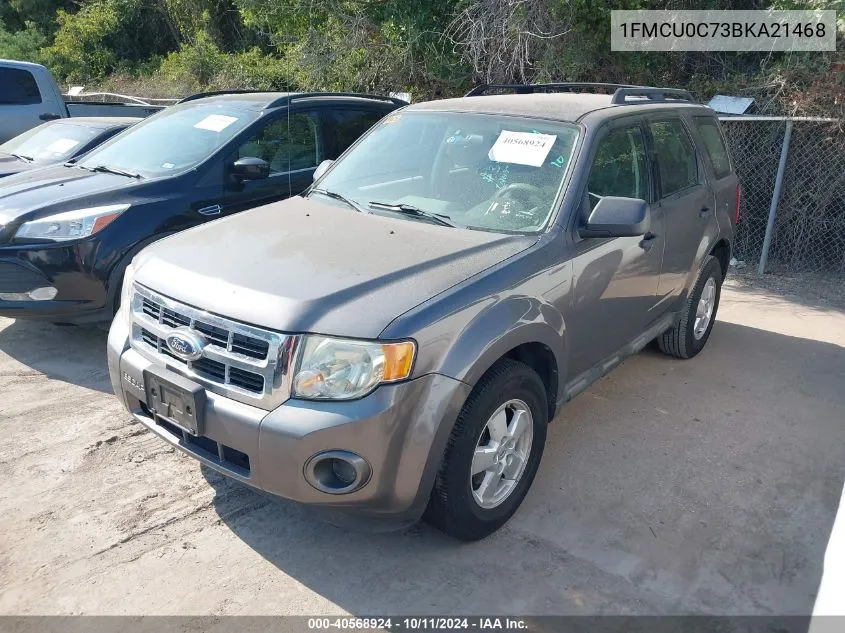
{"x": 216, "y": 122}
{"x": 522, "y": 148}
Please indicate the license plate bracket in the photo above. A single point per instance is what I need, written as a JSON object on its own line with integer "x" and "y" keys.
{"x": 175, "y": 399}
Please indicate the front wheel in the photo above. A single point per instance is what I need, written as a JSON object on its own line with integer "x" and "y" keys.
{"x": 690, "y": 335}
{"x": 493, "y": 453}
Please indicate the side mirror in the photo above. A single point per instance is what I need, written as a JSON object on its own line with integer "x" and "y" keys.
{"x": 322, "y": 168}
{"x": 250, "y": 168}
{"x": 618, "y": 217}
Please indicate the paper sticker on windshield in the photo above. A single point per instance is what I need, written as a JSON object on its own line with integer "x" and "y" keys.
{"x": 216, "y": 122}
{"x": 61, "y": 145}
{"x": 522, "y": 148}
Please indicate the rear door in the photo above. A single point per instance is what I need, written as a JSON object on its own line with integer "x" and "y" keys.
{"x": 720, "y": 173}
{"x": 684, "y": 199}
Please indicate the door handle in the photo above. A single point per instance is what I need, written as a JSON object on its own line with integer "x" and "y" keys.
{"x": 705, "y": 211}
{"x": 648, "y": 241}
{"x": 214, "y": 209}
{"x": 49, "y": 116}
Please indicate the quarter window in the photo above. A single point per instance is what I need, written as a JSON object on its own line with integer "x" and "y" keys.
{"x": 715, "y": 146}
{"x": 675, "y": 156}
{"x": 619, "y": 168}
{"x": 18, "y": 87}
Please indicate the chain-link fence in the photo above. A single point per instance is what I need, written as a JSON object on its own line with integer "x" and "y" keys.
{"x": 808, "y": 233}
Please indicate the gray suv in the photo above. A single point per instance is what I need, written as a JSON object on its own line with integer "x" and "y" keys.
{"x": 394, "y": 342}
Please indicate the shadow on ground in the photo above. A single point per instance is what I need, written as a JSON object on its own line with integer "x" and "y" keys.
{"x": 703, "y": 486}
{"x": 71, "y": 354}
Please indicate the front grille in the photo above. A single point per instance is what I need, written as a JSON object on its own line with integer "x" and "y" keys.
{"x": 240, "y": 361}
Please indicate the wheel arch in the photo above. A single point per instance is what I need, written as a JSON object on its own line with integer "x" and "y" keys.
{"x": 722, "y": 252}
{"x": 538, "y": 345}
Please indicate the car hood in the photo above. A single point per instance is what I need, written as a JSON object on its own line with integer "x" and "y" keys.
{"x": 10, "y": 165}
{"x": 52, "y": 188}
{"x": 303, "y": 266}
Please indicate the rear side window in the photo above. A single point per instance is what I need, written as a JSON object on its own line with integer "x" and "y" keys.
{"x": 619, "y": 168}
{"x": 18, "y": 87}
{"x": 675, "y": 156}
{"x": 350, "y": 124}
{"x": 714, "y": 145}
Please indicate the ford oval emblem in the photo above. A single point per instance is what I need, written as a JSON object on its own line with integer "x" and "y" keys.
{"x": 185, "y": 343}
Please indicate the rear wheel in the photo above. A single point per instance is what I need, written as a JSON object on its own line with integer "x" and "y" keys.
{"x": 493, "y": 453}
{"x": 690, "y": 335}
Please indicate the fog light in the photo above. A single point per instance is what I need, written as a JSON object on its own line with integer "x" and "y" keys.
{"x": 38, "y": 294}
{"x": 337, "y": 472}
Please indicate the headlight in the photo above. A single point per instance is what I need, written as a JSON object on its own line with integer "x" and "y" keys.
{"x": 71, "y": 225}
{"x": 124, "y": 309}
{"x": 343, "y": 369}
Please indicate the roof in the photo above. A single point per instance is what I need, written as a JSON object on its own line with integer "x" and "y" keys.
{"x": 264, "y": 100}
{"x": 249, "y": 100}
{"x": 14, "y": 63}
{"x": 101, "y": 122}
{"x": 564, "y": 106}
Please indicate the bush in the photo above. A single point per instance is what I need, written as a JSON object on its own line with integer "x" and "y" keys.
{"x": 203, "y": 66}
{"x": 24, "y": 45}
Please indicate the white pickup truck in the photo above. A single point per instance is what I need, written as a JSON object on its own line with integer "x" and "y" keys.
{"x": 29, "y": 95}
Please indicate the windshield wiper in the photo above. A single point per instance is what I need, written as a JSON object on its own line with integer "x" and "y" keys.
{"x": 409, "y": 209}
{"x": 336, "y": 196}
{"x": 112, "y": 170}
{"x": 26, "y": 159}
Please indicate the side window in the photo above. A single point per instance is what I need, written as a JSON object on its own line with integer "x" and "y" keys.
{"x": 287, "y": 145}
{"x": 714, "y": 145}
{"x": 18, "y": 87}
{"x": 675, "y": 156}
{"x": 619, "y": 168}
{"x": 349, "y": 125}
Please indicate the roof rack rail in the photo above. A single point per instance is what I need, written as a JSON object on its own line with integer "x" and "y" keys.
{"x": 285, "y": 100}
{"x": 569, "y": 86}
{"x": 214, "y": 93}
{"x": 620, "y": 97}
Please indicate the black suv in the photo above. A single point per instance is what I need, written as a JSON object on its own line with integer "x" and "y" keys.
{"x": 67, "y": 232}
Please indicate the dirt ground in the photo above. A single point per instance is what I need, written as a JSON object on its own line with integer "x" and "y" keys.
{"x": 708, "y": 485}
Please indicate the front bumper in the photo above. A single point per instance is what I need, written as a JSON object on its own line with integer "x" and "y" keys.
{"x": 400, "y": 430}
{"x": 70, "y": 268}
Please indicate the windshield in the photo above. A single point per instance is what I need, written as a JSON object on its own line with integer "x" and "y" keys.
{"x": 489, "y": 172}
{"x": 174, "y": 140}
{"x": 53, "y": 142}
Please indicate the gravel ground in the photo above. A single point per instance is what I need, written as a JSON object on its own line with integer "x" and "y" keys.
{"x": 668, "y": 487}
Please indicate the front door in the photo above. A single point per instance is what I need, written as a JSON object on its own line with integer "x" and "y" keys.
{"x": 615, "y": 279}
{"x": 291, "y": 145}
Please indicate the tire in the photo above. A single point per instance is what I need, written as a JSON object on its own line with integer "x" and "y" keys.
{"x": 454, "y": 507}
{"x": 683, "y": 340}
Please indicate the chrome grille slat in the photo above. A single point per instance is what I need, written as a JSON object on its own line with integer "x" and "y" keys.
{"x": 240, "y": 361}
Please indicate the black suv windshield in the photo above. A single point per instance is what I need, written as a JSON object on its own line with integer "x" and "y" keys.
{"x": 174, "y": 140}
{"x": 489, "y": 172}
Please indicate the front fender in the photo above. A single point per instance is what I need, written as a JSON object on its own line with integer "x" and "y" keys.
{"x": 505, "y": 326}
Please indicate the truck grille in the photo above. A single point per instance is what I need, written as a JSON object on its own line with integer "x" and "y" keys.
{"x": 239, "y": 361}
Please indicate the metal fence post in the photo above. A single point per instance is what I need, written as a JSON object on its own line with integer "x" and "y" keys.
{"x": 773, "y": 207}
